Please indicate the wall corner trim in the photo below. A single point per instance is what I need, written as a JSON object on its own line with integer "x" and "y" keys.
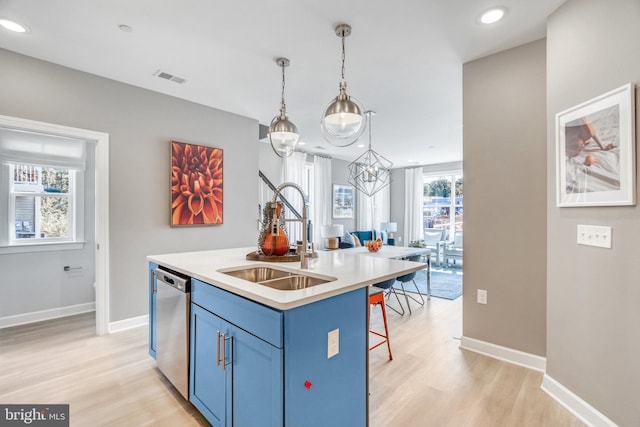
{"x": 574, "y": 404}
{"x": 517, "y": 357}
{"x": 132, "y": 322}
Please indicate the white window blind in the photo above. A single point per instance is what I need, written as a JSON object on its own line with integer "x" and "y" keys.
{"x": 39, "y": 150}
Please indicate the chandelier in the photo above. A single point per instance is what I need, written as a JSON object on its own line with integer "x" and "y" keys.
{"x": 370, "y": 172}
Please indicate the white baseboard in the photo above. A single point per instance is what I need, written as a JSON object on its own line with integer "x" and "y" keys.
{"x": 517, "y": 357}
{"x": 133, "y": 322}
{"x": 39, "y": 316}
{"x": 574, "y": 404}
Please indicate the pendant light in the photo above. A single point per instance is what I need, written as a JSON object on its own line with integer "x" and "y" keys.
{"x": 370, "y": 172}
{"x": 343, "y": 119}
{"x": 283, "y": 134}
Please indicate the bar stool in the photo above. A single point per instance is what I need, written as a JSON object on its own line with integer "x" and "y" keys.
{"x": 376, "y": 297}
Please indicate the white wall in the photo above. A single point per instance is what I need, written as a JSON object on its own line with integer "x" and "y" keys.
{"x": 593, "y": 338}
{"x": 141, "y": 125}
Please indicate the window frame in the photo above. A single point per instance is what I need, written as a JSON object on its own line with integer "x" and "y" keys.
{"x": 451, "y": 175}
{"x": 75, "y": 196}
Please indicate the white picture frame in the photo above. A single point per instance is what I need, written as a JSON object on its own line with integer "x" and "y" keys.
{"x": 343, "y": 205}
{"x": 595, "y": 151}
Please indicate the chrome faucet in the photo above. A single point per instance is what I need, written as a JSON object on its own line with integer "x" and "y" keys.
{"x": 303, "y": 250}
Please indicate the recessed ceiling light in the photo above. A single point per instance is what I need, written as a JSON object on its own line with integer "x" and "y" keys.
{"x": 301, "y": 143}
{"x": 360, "y": 145}
{"x": 13, "y": 26}
{"x": 492, "y": 15}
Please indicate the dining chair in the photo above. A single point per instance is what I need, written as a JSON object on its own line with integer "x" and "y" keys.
{"x": 411, "y": 277}
{"x": 387, "y": 286}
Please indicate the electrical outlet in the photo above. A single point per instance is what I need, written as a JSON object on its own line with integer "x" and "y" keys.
{"x": 594, "y": 235}
{"x": 482, "y": 296}
{"x": 333, "y": 343}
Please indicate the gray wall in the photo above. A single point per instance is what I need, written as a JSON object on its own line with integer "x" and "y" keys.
{"x": 505, "y": 198}
{"x": 38, "y": 279}
{"x": 593, "y": 294}
{"x": 140, "y": 124}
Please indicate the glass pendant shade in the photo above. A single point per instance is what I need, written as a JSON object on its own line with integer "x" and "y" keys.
{"x": 343, "y": 120}
{"x": 283, "y": 134}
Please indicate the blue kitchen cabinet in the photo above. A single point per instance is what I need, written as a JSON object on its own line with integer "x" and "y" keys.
{"x": 252, "y": 365}
{"x": 208, "y": 384}
{"x": 235, "y": 377}
{"x": 152, "y": 310}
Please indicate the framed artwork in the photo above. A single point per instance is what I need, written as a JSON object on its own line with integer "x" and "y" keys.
{"x": 196, "y": 184}
{"x": 595, "y": 151}
{"x": 343, "y": 202}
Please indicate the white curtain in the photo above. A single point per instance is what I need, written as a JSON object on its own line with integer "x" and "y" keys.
{"x": 321, "y": 197}
{"x": 294, "y": 171}
{"x": 363, "y": 209}
{"x": 413, "y": 196}
{"x": 373, "y": 210}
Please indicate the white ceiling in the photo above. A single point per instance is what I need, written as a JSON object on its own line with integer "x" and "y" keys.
{"x": 403, "y": 60}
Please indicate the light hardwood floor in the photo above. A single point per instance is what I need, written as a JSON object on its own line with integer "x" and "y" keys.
{"x": 112, "y": 381}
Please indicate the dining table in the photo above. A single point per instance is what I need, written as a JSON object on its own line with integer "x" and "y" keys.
{"x": 397, "y": 252}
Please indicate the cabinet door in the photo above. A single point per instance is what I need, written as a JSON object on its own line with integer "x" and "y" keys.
{"x": 257, "y": 381}
{"x": 209, "y": 383}
{"x": 152, "y": 310}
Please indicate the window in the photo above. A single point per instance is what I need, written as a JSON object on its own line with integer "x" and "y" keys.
{"x": 41, "y": 203}
{"x": 443, "y": 194}
{"x": 41, "y": 192}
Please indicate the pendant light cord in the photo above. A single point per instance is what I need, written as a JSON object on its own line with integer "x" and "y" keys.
{"x": 343, "y": 83}
{"x": 283, "y": 107}
{"x": 343, "y": 57}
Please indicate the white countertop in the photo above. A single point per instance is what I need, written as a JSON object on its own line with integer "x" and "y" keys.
{"x": 351, "y": 271}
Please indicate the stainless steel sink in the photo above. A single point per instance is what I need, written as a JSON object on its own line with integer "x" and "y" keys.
{"x": 277, "y": 279}
{"x": 294, "y": 282}
{"x": 257, "y": 274}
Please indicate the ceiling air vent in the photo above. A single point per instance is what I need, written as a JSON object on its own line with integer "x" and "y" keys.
{"x": 169, "y": 77}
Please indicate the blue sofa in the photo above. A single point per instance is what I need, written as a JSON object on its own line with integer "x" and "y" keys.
{"x": 365, "y": 235}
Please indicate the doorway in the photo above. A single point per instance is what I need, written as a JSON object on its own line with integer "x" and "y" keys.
{"x": 101, "y": 141}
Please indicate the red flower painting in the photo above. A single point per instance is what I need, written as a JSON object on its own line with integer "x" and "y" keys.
{"x": 196, "y": 184}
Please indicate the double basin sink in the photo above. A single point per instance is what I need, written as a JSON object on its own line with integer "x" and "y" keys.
{"x": 277, "y": 279}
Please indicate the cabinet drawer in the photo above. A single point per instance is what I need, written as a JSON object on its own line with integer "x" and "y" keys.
{"x": 253, "y": 317}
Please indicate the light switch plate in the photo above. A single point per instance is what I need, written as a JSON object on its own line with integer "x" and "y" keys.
{"x": 482, "y": 296}
{"x": 333, "y": 343}
{"x": 594, "y": 235}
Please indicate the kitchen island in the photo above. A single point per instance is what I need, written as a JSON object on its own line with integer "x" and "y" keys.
{"x": 271, "y": 357}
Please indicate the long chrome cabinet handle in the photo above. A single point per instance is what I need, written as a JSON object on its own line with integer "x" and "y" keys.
{"x": 218, "y": 359}
{"x": 225, "y": 338}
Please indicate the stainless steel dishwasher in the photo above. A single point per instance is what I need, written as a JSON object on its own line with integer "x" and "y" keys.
{"x": 173, "y": 296}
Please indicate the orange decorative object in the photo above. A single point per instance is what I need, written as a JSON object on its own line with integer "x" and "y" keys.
{"x": 275, "y": 241}
{"x": 373, "y": 245}
{"x": 275, "y": 244}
